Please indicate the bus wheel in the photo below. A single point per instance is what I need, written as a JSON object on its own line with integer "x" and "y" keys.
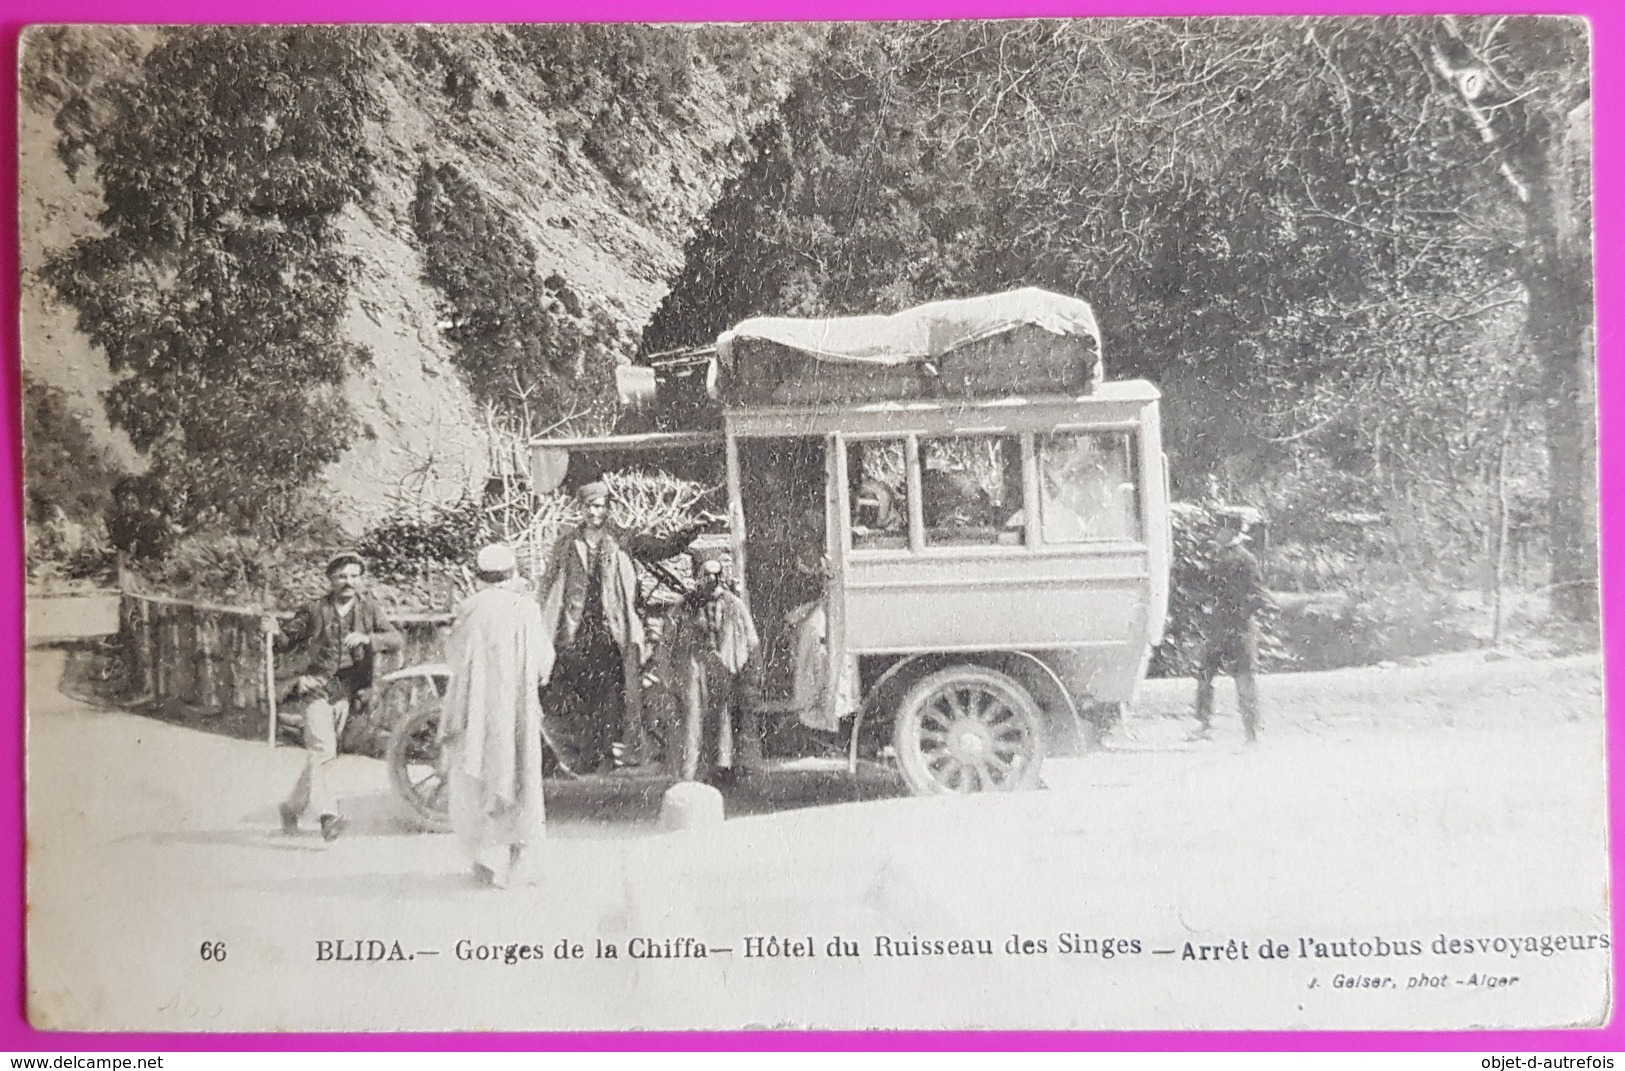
{"x": 417, "y": 770}
{"x": 968, "y": 728}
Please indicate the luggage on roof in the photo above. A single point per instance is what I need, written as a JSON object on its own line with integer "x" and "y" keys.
{"x": 1020, "y": 342}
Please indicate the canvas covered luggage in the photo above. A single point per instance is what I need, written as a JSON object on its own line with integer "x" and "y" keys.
{"x": 1020, "y": 342}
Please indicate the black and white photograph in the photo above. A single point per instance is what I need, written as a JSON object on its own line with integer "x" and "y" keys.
{"x": 1032, "y": 524}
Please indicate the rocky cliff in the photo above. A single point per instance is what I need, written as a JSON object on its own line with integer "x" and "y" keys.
{"x": 601, "y": 147}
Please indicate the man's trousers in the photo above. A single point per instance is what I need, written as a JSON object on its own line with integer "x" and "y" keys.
{"x": 1233, "y": 650}
{"x": 324, "y": 721}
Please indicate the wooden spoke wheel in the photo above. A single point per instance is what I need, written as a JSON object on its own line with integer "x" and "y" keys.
{"x": 416, "y": 768}
{"x": 966, "y": 729}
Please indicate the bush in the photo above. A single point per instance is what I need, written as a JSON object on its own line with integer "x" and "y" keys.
{"x": 275, "y": 570}
{"x": 1377, "y": 624}
{"x": 67, "y": 469}
{"x": 95, "y": 562}
{"x": 526, "y": 345}
{"x": 404, "y": 545}
{"x": 421, "y": 558}
{"x": 1346, "y": 611}
{"x": 239, "y": 571}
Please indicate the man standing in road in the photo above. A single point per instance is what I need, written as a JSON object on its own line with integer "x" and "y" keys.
{"x": 336, "y": 641}
{"x": 589, "y": 597}
{"x": 1237, "y": 596}
{"x": 714, "y": 649}
{"x": 500, "y": 655}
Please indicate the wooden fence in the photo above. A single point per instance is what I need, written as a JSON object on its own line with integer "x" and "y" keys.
{"x": 212, "y": 659}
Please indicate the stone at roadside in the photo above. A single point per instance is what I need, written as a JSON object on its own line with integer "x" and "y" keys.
{"x": 690, "y": 805}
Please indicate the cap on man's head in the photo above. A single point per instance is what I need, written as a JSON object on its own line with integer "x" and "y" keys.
{"x": 349, "y": 557}
{"x": 496, "y": 558}
{"x": 702, "y": 560}
{"x": 597, "y": 491}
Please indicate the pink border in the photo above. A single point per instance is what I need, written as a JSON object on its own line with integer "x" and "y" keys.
{"x": 17, "y": 1035}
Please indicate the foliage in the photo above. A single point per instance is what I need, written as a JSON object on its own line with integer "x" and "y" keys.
{"x": 651, "y": 502}
{"x": 618, "y": 89}
{"x": 62, "y": 67}
{"x": 602, "y": 67}
{"x": 218, "y": 287}
{"x": 94, "y": 562}
{"x": 526, "y": 344}
{"x": 422, "y": 557}
{"x": 228, "y": 569}
{"x": 539, "y": 348}
{"x": 1351, "y": 613}
{"x": 1199, "y": 530}
{"x": 67, "y": 469}
{"x": 614, "y": 92}
{"x": 1373, "y": 624}
{"x": 622, "y": 79}
{"x": 926, "y": 162}
{"x": 403, "y": 545}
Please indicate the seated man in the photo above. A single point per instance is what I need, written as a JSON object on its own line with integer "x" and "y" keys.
{"x": 874, "y": 508}
{"x": 950, "y": 498}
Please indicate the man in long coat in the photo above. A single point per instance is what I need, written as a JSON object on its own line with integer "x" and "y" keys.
{"x": 500, "y": 654}
{"x": 714, "y": 652}
{"x": 589, "y": 597}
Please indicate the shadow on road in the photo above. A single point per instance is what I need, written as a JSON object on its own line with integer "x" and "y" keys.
{"x": 268, "y": 838}
{"x": 375, "y": 887}
{"x": 609, "y": 808}
{"x": 790, "y": 790}
{"x": 92, "y": 672}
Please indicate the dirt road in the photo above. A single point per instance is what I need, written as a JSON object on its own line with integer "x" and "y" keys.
{"x": 1428, "y": 826}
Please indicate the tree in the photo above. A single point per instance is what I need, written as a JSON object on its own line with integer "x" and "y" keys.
{"x": 218, "y": 287}
{"x": 1524, "y": 84}
{"x": 530, "y": 348}
{"x": 1287, "y": 224}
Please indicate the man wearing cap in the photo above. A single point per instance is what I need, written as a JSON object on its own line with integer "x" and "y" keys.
{"x": 714, "y": 648}
{"x": 335, "y": 642}
{"x": 1237, "y": 596}
{"x": 499, "y": 653}
{"x": 589, "y": 597}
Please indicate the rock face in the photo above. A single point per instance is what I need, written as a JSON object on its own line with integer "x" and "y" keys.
{"x": 604, "y": 184}
{"x": 421, "y": 434}
{"x": 56, "y": 209}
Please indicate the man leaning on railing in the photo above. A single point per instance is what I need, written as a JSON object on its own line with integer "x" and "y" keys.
{"x": 335, "y": 642}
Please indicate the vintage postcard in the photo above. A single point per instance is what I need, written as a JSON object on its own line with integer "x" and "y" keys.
{"x": 1015, "y": 525}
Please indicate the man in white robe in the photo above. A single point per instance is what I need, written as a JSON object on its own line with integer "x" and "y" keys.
{"x": 500, "y": 654}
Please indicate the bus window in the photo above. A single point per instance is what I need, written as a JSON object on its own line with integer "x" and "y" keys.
{"x": 877, "y": 475}
{"x": 970, "y": 490}
{"x": 1088, "y": 487}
